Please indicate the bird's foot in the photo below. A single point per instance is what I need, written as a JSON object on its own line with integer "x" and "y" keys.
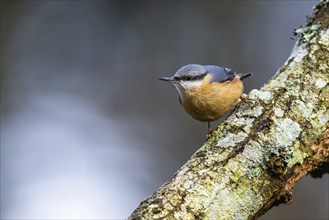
{"x": 245, "y": 98}
{"x": 210, "y": 132}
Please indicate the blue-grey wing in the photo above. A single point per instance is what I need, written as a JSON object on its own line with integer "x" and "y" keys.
{"x": 220, "y": 74}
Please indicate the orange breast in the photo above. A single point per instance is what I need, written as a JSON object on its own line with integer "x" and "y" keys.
{"x": 212, "y": 100}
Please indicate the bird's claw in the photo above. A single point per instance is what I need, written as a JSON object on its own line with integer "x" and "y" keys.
{"x": 210, "y": 132}
{"x": 245, "y": 98}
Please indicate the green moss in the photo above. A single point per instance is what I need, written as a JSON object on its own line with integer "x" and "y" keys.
{"x": 231, "y": 140}
{"x": 286, "y": 132}
{"x": 278, "y": 112}
{"x": 253, "y": 112}
{"x": 324, "y": 38}
{"x": 230, "y": 207}
{"x": 305, "y": 109}
{"x": 277, "y": 82}
{"x": 244, "y": 123}
{"x": 318, "y": 122}
{"x": 260, "y": 95}
{"x": 320, "y": 83}
{"x": 323, "y": 117}
{"x": 297, "y": 55}
{"x": 157, "y": 212}
{"x": 298, "y": 155}
{"x": 254, "y": 152}
{"x": 307, "y": 33}
{"x": 254, "y": 172}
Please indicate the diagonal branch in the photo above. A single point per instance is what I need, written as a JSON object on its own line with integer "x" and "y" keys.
{"x": 256, "y": 156}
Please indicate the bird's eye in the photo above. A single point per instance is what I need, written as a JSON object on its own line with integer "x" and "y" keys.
{"x": 190, "y": 78}
{"x": 200, "y": 76}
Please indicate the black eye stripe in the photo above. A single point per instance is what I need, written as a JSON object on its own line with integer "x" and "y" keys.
{"x": 189, "y": 77}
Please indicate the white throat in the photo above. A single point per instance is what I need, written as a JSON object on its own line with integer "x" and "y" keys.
{"x": 184, "y": 86}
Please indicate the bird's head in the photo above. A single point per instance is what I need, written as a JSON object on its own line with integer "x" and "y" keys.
{"x": 188, "y": 77}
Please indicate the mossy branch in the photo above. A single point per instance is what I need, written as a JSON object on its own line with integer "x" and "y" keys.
{"x": 255, "y": 157}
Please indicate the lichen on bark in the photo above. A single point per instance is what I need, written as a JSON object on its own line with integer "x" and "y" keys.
{"x": 255, "y": 157}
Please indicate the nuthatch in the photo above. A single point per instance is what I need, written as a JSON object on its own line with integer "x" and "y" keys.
{"x": 207, "y": 92}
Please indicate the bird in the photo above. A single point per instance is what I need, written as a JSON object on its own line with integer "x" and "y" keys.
{"x": 207, "y": 92}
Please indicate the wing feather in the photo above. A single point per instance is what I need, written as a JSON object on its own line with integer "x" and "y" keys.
{"x": 220, "y": 74}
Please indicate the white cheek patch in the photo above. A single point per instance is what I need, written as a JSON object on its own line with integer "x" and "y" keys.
{"x": 187, "y": 85}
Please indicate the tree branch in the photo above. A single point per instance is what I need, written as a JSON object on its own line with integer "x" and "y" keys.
{"x": 255, "y": 157}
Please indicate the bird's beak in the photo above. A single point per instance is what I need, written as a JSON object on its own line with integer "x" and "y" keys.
{"x": 168, "y": 79}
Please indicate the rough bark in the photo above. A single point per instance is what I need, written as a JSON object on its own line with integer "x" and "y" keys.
{"x": 253, "y": 159}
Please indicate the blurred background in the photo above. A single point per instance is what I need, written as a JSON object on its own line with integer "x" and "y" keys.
{"x": 87, "y": 130}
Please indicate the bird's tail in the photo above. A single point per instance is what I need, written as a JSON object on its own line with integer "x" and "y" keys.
{"x": 244, "y": 75}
